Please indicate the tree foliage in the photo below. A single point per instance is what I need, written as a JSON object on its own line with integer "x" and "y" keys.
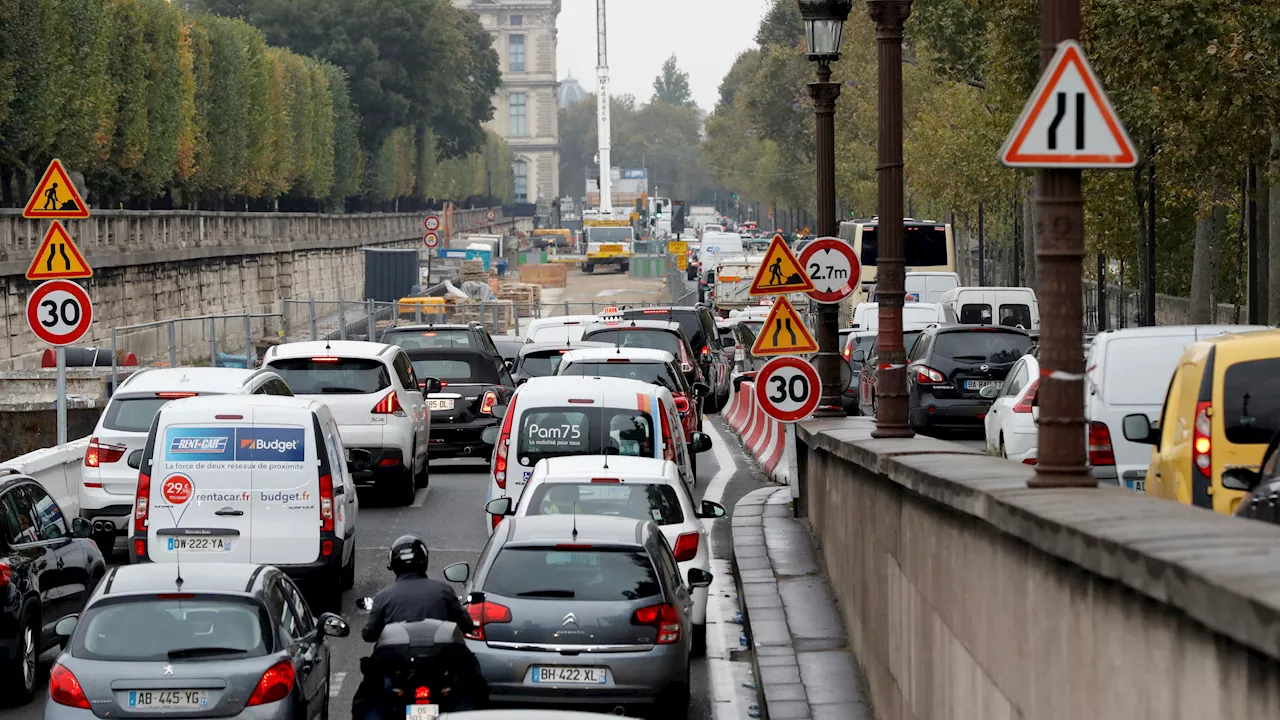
{"x": 672, "y": 86}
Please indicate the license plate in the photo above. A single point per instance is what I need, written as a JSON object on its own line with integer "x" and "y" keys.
{"x": 182, "y": 699}
{"x": 569, "y": 675}
{"x": 199, "y": 544}
{"x": 611, "y": 248}
{"x": 979, "y": 384}
{"x": 421, "y": 712}
{"x": 1137, "y": 485}
{"x": 445, "y": 404}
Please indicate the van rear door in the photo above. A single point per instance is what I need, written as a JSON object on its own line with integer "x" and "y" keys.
{"x": 284, "y": 454}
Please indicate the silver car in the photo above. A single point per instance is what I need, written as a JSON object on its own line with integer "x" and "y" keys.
{"x": 583, "y": 610}
{"x": 226, "y": 640}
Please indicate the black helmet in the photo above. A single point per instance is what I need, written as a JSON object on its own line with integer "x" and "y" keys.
{"x": 408, "y": 555}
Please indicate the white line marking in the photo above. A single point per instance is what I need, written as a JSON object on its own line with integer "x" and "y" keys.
{"x": 721, "y": 671}
{"x": 724, "y": 459}
{"x": 335, "y": 684}
{"x": 420, "y": 497}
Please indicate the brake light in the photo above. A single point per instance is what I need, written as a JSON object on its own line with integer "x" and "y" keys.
{"x": 140, "y": 503}
{"x": 500, "y": 457}
{"x": 664, "y": 617}
{"x": 682, "y": 405}
{"x": 582, "y": 401}
{"x": 1100, "y": 451}
{"x": 928, "y": 376}
{"x": 6, "y": 573}
{"x": 668, "y": 449}
{"x": 573, "y": 546}
{"x": 686, "y": 547}
{"x": 326, "y": 503}
{"x": 607, "y": 481}
{"x": 846, "y": 352}
{"x": 706, "y": 350}
{"x": 175, "y": 596}
{"x": 486, "y": 613}
{"x": 617, "y": 360}
{"x": 422, "y": 695}
{"x": 174, "y": 395}
{"x": 389, "y": 405}
{"x": 1201, "y": 443}
{"x": 1024, "y": 405}
{"x": 486, "y": 405}
{"x": 275, "y": 685}
{"x": 325, "y": 359}
{"x": 99, "y": 452}
{"x": 65, "y": 689}
{"x": 657, "y": 312}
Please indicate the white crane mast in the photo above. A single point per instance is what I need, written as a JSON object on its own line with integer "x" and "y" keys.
{"x": 602, "y": 112}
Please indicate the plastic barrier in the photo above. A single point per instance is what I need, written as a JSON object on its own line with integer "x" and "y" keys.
{"x": 746, "y": 399}
{"x": 771, "y": 451}
{"x": 759, "y": 427}
{"x": 57, "y": 469}
{"x": 86, "y": 357}
{"x": 732, "y": 407}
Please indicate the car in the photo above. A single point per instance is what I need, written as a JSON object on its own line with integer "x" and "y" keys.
{"x": 949, "y": 366}
{"x": 866, "y": 366}
{"x": 107, "y": 482}
{"x": 542, "y": 359}
{"x": 1010, "y": 424}
{"x": 49, "y": 568}
{"x": 699, "y": 325}
{"x": 742, "y": 340}
{"x": 1262, "y": 486}
{"x": 509, "y": 348}
{"x": 558, "y": 416}
{"x": 854, "y": 347}
{"x": 583, "y": 610}
{"x": 377, "y": 400}
{"x": 656, "y": 367}
{"x": 866, "y": 316}
{"x": 636, "y": 488}
{"x": 258, "y": 479}
{"x": 460, "y": 336}
{"x": 566, "y": 328}
{"x": 228, "y": 640}
{"x": 1005, "y": 306}
{"x": 472, "y": 384}
{"x": 653, "y": 334}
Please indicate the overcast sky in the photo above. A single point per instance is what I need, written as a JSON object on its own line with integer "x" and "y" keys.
{"x": 706, "y": 36}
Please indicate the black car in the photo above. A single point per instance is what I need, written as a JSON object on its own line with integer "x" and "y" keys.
{"x": 461, "y": 336}
{"x": 541, "y": 359}
{"x": 472, "y": 384}
{"x": 864, "y": 363}
{"x": 1263, "y": 485}
{"x": 657, "y": 334}
{"x": 509, "y": 348}
{"x": 48, "y": 568}
{"x": 699, "y": 327}
{"x": 949, "y": 367}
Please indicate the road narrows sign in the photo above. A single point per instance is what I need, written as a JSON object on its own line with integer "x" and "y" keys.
{"x": 56, "y": 197}
{"x": 431, "y": 240}
{"x": 833, "y": 268}
{"x": 1069, "y": 122}
{"x": 788, "y": 389}
{"x": 431, "y": 222}
{"x": 58, "y": 257}
{"x": 784, "y": 332}
{"x": 59, "y": 312}
{"x": 780, "y": 273}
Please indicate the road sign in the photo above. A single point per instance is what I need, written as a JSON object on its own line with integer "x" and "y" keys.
{"x": 781, "y": 272}
{"x": 58, "y": 257}
{"x": 56, "y": 197}
{"x": 833, "y": 268}
{"x": 677, "y": 247}
{"x": 490, "y": 216}
{"x": 1068, "y": 122}
{"x": 682, "y": 262}
{"x": 788, "y": 389}
{"x": 431, "y": 240}
{"x": 784, "y": 332}
{"x": 176, "y": 488}
{"x": 59, "y": 312}
{"x": 431, "y": 222}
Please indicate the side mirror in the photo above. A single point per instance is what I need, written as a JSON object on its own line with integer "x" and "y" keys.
{"x": 81, "y": 528}
{"x": 699, "y": 578}
{"x": 701, "y": 442}
{"x": 989, "y": 392}
{"x": 510, "y": 364}
{"x": 711, "y": 510}
{"x": 501, "y": 507}
{"x": 457, "y": 573}
{"x": 365, "y": 604}
{"x": 701, "y": 389}
{"x": 858, "y": 356}
{"x": 359, "y": 459}
{"x": 490, "y": 434}
{"x": 333, "y": 625}
{"x": 135, "y": 459}
{"x": 500, "y": 411}
{"x": 66, "y": 625}
{"x": 521, "y": 381}
{"x": 431, "y": 385}
{"x": 1240, "y": 479}
{"x": 1137, "y": 428}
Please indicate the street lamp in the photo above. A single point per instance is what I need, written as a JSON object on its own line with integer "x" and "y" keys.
{"x": 824, "y": 30}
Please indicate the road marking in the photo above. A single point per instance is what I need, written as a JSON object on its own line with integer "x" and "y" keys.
{"x": 335, "y": 684}
{"x": 420, "y": 497}
{"x": 724, "y": 458}
{"x": 725, "y": 675}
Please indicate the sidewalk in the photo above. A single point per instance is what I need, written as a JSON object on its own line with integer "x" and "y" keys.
{"x": 803, "y": 663}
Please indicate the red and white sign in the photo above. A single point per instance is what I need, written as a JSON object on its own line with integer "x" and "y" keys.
{"x": 177, "y": 488}
{"x": 788, "y": 389}
{"x": 490, "y": 216}
{"x": 1068, "y": 122}
{"x": 59, "y": 312}
{"x": 833, "y": 267}
{"x": 431, "y": 240}
{"x": 432, "y": 222}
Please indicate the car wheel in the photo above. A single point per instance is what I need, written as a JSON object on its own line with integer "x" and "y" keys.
{"x": 588, "y": 269}
{"x": 405, "y": 488}
{"x": 349, "y": 573}
{"x": 19, "y": 674}
{"x": 673, "y": 703}
{"x": 106, "y": 543}
{"x": 423, "y": 478}
{"x": 1003, "y": 452}
{"x": 699, "y": 648}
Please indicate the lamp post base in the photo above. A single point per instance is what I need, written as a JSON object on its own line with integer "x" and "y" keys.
{"x": 1061, "y": 477}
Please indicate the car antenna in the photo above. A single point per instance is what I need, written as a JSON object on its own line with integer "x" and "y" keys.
{"x": 177, "y": 556}
{"x": 575, "y": 519}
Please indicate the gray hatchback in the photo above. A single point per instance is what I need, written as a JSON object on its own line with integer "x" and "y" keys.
{"x": 227, "y": 640}
{"x": 582, "y": 611}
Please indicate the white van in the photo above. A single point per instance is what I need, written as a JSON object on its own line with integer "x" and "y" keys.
{"x": 256, "y": 479}
{"x": 715, "y": 244}
{"x": 566, "y": 328}
{"x": 1008, "y": 306}
{"x": 928, "y": 286}
{"x": 867, "y": 315}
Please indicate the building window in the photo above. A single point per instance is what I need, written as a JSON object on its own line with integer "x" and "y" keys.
{"x": 518, "y": 115}
{"x": 520, "y": 169}
{"x": 515, "y": 53}
{"x": 515, "y": 20}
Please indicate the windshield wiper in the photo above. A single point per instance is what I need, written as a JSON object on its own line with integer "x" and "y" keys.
{"x": 547, "y": 593}
{"x": 195, "y": 651}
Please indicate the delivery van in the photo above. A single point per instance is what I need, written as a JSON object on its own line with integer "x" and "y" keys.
{"x": 257, "y": 479}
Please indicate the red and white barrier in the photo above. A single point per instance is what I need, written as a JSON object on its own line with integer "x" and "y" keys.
{"x": 770, "y": 442}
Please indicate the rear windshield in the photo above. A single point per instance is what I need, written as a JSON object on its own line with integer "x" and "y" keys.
{"x": 1136, "y": 371}
{"x": 558, "y": 333}
{"x": 609, "y": 235}
{"x": 598, "y": 575}
{"x": 647, "y": 501}
{"x": 333, "y": 376}
{"x": 159, "y": 629}
{"x": 924, "y": 246}
{"x": 1251, "y": 401}
{"x": 690, "y": 323}
{"x": 996, "y": 347}
{"x": 416, "y": 339}
{"x": 640, "y": 338}
{"x": 1013, "y": 315}
{"x": 556, "y": 432}
{"x": 650, "y": 372}
{"x": 132, "y": 414}
{"x": 543, "y": 363}
{"x": 457, "y": 369}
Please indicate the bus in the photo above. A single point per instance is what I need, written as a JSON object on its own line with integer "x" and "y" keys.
{"x": 929, "y": 246}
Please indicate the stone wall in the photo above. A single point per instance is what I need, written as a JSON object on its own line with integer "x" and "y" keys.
{"x": 968, "y": 596}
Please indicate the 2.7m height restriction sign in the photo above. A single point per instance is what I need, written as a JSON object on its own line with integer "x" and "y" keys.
{"x": 59, "y": 312}
{"x": 833, "y": 267}
{"x": 788, "y": 389}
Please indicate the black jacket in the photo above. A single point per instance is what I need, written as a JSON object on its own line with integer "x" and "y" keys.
{"x": 411, "y": 598}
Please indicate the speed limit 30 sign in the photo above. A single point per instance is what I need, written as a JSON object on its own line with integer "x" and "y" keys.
{"x": 788, "y": 389}
{"x": 59, "y": 312}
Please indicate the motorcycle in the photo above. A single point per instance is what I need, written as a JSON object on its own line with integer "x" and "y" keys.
{"x": 417, "y": 671}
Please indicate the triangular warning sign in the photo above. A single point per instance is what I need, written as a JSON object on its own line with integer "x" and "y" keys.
{"x": 56, "y": 197}
{"x": 780, "y": 273}
{"x": 1068, "y": 122}
{"x": 784, "y": 332}
{"x": 58, "y": 257}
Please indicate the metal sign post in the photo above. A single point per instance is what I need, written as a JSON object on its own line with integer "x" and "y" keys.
{"x": 61, "y": 389}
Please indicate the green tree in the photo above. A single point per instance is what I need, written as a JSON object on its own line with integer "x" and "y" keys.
{"x": 672, "y": 86}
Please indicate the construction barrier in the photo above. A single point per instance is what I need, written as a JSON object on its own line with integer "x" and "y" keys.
{"x": 769, "y": 442}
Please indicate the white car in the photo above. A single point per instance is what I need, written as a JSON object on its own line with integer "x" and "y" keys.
{"x": 566, "y": 328}
{"x": 107, "y": 483}
{"x": 866, "y": 316}
{"x": 375, "y": 397}
{"x": 630, "y": 487}
{"x": 1011, "y": 420}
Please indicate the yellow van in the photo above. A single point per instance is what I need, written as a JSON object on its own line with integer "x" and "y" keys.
{"x": 1220, "y": 412}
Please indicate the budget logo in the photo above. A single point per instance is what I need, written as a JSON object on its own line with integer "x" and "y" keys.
{"x": 271, "y": 444}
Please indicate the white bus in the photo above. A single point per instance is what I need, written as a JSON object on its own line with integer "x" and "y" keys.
{"x": 928, "y": 247}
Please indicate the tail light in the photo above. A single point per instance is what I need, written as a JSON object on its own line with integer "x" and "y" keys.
{"x": 65, "y": 689}
{"x": 389, "y": 405}
{"x": 668, "y": 447}
{"x": 500, "y": 457}
{"x": 422, "y": 695}
{"x": 486, "y": 613}
{"x": 6, "y": 573}
{"x": 847, "y": 352}
{"x": 490, "y": 400}
{"x": 686, "y": 547}
{"x": 99, "y": 452}
{"x": 686, "y": 367}
{"x": 1100, "y": 451}
{"x": 682, "y": 405}
{"x": 1201, "y": 443}
{"x": 174, "y": 395}
{"x": 928, "y": 376}
{"x": 326, "y": 503}
{"x": 141, "y": 503}
{"x": 664, "y": 617}
{"x": 1028, "y": 399}
{"x": 706, "y": 351}
{"x": 275, "y": 685}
